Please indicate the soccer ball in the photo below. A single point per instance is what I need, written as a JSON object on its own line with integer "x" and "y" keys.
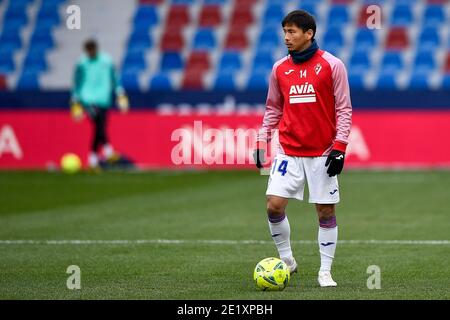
{"x": 271, "y": 274}
{"x": 70, "y": 163}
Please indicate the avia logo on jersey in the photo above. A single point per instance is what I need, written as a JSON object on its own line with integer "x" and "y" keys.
{"x": 302, "y": 93}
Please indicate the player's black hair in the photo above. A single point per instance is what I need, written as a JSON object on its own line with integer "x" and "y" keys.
{"x": 90, "y": 44}
{"x": 301, "y": 19}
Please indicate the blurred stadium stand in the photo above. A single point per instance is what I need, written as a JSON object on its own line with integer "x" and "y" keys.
{"x": 221, "y": 44}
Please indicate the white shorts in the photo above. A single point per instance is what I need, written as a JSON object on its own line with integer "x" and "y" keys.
{"x": 289, "y": 174}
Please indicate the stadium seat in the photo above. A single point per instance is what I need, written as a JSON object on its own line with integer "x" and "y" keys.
{"x": 356, "y": 80}
{"x": 401, "y": 16}
{"x": 333, "y": 41}
{"x": 198, "y": 60}
{"x": 429, "y": 39}
{"x": 178, "y": 15}
{"x": 392, "y": 62}
{"x": 171, "y": 60}
{"x": 28, "y": 81}
{"x": 424, "y": 62}
{"x": 433, "y": 16}
{"x": 236, "y": 39}
{"x": 3, "y": 82}
{"x": 263, "y": 60}
{"x": 214, "y": 2}
{"x": 184, "y": 2}
{"x": 269, "y": 40}
{"x": 160, "y": 81}
{"x": 140, "y": 39}
{"x": 397, "y": 39}
{"x": 386, "y": 81}
{"x": 365, "y": 40}
{"x": 42, "y": 38}
{"x": 10, "y": 40}
{"x": 230, "y": 60}
{"x": 6, "y": 63}
{"x": 337, "y": 16}
{"x": 360, "y": 61}
{"x": 35, "y": 62}
{"x": 445, "y": 83}
{"x": 134, "y": 60}
{"x": 258, "y": 80}
{"x": 129, "y": 80}
{"x": 273, "y": 15}
{"x": 447, "y": 63}
{"x": 310, "y": 7}
{"x": 210, "y": 16}
{"x": 204, "y": 40}
{"x": 50, "y": 13}
{"x": 145, "y": 16}
{"x": 172, "y": 40}
{"x": 418, "y": 82}
{"x": 224, "y": 81}
{"x": 241, "y": 16}
{"x": 192, "y": 80}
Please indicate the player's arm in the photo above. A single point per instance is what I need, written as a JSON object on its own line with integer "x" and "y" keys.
{"x": 122, "y": 99}
{"x": 272, "y": 116}
{"x": 343, "y": 107}
{"x": 76, "y": 108}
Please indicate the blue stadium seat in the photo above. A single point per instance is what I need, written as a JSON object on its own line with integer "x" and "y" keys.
{"x": 356, "y": 79}
{"x": 35, "y": 63}
{"x": 184, "y": 2}
{"x": 365, "y": 40}
{"x": 433, "y": 16}
{"x": 6, "y": 61}
{"x": 230, "y": 60}
{"x": 134, "y": 60}
{"x": 269, "y": 40}
{"x": 216, "y": 2}
{"x": 258, "y": 80}
{"x": 204, "y": 39}
{"x": 10, "y": 40}
{"x": 145, "y": 17}
{"x": 28, "y": 81}
{"x": 49, "y": 13}
{"x": 445, "y": 84}
{"x": 401, "y": 15}
{"x": 224, "y": 81}
{"x": 263, "y": 60}
{"x": 386, "y": 81}
{"x": 418, "y": 82}
{"x": 129, "y": 80}
{"x": 273, "y": 15}
{"x": 429, "y": 39}
{"x": 19, "y": 17}
{"x": 160, "y": 81}
{"x": 171, "y": 60}
{"x": 310, "y": 7}
{"x": 359, "y": 61}
{"x": 333, "y": 41}
{"x": 276, "y": 2}
{"x": 42, "y": 38}
{"x": 140, "y": 39}
{"x": 424, "y": 63}
{"x": 337, "y": 16}
{"x": 392, "y": 62}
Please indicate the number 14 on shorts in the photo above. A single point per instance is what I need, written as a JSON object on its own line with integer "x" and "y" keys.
{"x": 282, "y": 167}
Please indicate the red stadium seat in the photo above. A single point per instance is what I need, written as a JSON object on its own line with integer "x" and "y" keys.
{"x": 447, "y": 63}
{"x": 3, "y": 82}
{"x": 178, "y": 15}
{"x": 193, "y": 79}
{"x": 437, "y": 1}
{"x": 236, "y": 39}
{"x": 198, "y": 61}
{"x": 172, "y": 40}
{"x": 210, "y": 16}
{"x": 397, "y": 39}
{"x": 241, "y": 17}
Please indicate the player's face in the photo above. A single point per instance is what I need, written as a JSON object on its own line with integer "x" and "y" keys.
{"x": 295, "y": 38}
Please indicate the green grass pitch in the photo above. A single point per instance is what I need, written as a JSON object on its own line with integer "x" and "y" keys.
{"x": 198, "y": 207}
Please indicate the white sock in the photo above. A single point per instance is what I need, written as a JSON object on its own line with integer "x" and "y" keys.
{"x": 281, "y": 233}
{"x": 327, "y": 239}
{"x": 108, "y": 151}
{"x": 93, "y": 160}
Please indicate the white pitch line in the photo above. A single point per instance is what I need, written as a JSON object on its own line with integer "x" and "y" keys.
{"x": 212, "y": 242}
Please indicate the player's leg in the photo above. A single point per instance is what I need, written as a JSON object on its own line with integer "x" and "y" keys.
{"x": 286, "y": 181}
{"x": 324, "y": 193}
{"x": 327, "y": 240}
{"x": 96, "y": 140}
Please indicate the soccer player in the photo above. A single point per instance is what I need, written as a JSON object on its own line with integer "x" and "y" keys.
{"x": 94, "y": 82}
{"x": 309, "y": 102}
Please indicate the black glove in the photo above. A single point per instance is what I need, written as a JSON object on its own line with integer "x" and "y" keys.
{"x": 258, "y": 156}
{"x": 336, "y": 161}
